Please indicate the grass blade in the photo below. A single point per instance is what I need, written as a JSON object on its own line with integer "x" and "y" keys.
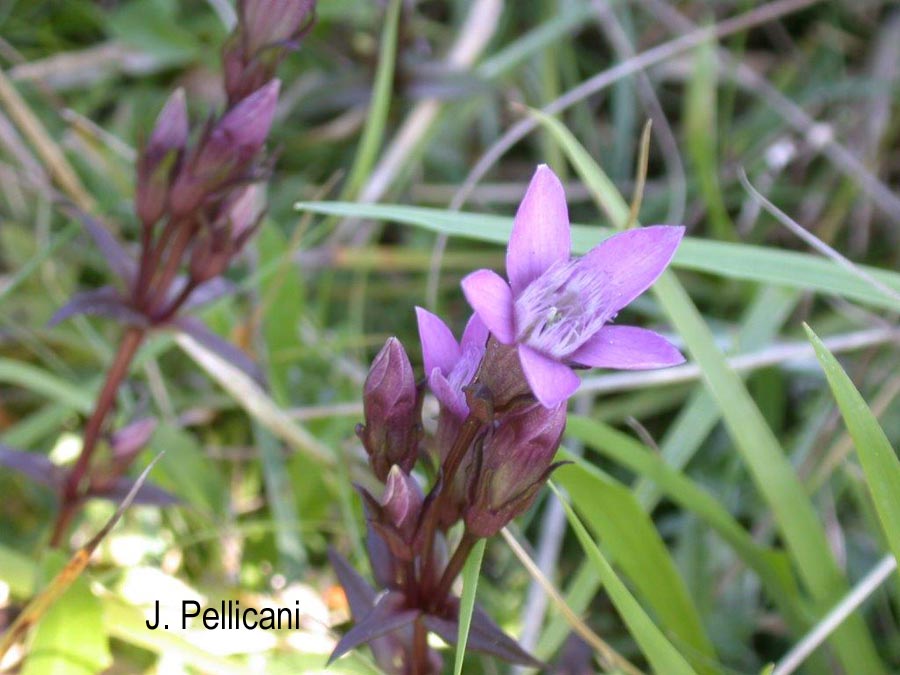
{"x": 743, "y": 262}
{"x": 663, "y": 657}
{"x": 878, "y": 459}
{"x": 634, "y": 545}
{"x": 471, "y": 570}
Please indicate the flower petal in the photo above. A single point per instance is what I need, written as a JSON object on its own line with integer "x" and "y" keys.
{"x": 540, "y": 234}
{"x": 453, "y": 399}
{"x": 439, "y": 347}
{"x": 627, "y": 348}
{"x": 551, "y": 381}
{"x": 475, "y": 333}
{"x": 629, "y": 262}
{"x": 492, "y": 300}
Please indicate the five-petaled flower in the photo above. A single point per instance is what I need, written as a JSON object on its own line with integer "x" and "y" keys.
{"x": 450, "y": 366}
{"x": 556, "y": 309}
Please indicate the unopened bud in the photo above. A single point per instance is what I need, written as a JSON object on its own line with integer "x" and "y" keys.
{"x": 515, "y": 462}
{"x": 159, "y": 158}
{"x": 391, "y": 405}
{"x": 395, "y": 519}
{"x": 402, "y": 502}
{"x": 131, "y": 439}
{"x": 267, "y": 30}
{"x": 227, "y": 150}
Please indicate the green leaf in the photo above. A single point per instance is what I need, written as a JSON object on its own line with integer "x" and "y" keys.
{"x": 373, "y": 132}
{"x": 70, "y": 638}
{"x": 700, "y": 128}
{"x": 634, "y": 545}
{"x": 878, "y": 459}
{"x": 153, "y": 26}
{"x": 663, "y": 657}
{"x": 77, "y": 397}
{"x": 471, "y": 570}
{"x": 186, "y": 470}
{"x": 743, "y": 262}
{"x": 772, "y": 567}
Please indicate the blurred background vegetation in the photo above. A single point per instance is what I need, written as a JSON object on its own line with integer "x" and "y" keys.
{"x": 804, "y": 102}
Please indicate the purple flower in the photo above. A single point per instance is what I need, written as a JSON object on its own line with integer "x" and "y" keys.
{"x": 450, "y": 366}
{"x": 555, "y": 309}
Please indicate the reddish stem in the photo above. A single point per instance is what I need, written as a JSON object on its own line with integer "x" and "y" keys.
{"x": 464, "y": 438}
{"x": 420, "y": 665}
{"x": 454, "y": 567}
{"x": 71, "y": 496}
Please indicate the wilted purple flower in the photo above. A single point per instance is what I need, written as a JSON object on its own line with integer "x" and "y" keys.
{"x": 266, "y": 31}
{"x": 555, "y": 308}
{"x": 272, "y": 22}
{"x": 226, "y": 150}
{"x": 514, "y": 464}
{"x": 391, "y": 407}
{"x": 450, "y": 366}
{"x": 159, "y": 157}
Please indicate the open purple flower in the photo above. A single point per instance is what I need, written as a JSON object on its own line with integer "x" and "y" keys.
{"x": 555, "y": 309}
{"x": 450, "y": 366}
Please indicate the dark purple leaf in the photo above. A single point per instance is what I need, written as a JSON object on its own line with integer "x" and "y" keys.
{"x": 148, "y": 494}
{"x": 389, "y": 614}
{"x": 575, "y": 658}
{"x": 105, "y": 301}
{"x": 218, "y": 345}
{"x": 360, "y": 594}
{"x": 380, "y": 557}
{"x": 208, "y": 292}
{"x": 120, "y": 262}
{"x": 37, "y": 467}
{"x": 484, "y": 636}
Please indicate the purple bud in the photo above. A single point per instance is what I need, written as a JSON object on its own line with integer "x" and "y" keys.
{"x": 227, "y": 150}
{"x": 391, "y": 405}
{"x": 514, "y": 464}
{"x": 159, "y": 158}
{"x": 266, "y": 23}
{"x": 129, "y": 440}
{"x": 267, "y": 30}
{"x": 402, "y": 502}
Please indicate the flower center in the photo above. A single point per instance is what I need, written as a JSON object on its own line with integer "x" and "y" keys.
{"x": 561, "y": 309}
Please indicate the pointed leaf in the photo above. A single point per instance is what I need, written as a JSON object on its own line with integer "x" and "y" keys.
{"x": 148, "y": 494}
{"x": 218, "y": 345}
{"x": 105, "y": 301}
{"x": 37, "y": 467}
{"x": 119, "y": 260}
{"x": 485, "y": 636}
{"x": 879, "y": 460}
{"x": 471, "y": 570}
{"x": 359, "y": 592}
{"x": 386, "y": 616}
{"x": 206, "y": 293}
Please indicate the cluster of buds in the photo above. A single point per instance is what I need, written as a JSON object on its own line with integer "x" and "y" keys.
{"x": 199, "y": 199}
{"x": 502, "y": 391}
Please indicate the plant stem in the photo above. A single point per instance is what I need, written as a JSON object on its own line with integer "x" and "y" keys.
{"x": 454, "y": 567}
{"x": 420, "y": 664}
{"x": 464, "y": 438}
{"x": 71, "y": 496}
